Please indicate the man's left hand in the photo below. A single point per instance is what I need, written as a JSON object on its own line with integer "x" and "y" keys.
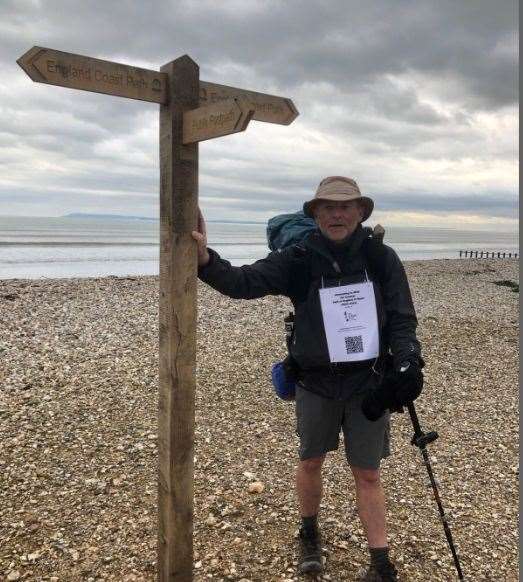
{"x": 200, "y": 236}
{"x": 406, "y": 382}
{"x": 400, "y": 386}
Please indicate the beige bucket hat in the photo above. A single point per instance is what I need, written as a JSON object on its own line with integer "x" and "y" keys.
{"x": 339, "y": 189}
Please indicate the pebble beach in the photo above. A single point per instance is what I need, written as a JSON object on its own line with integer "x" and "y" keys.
{"x": 78, "y": 432}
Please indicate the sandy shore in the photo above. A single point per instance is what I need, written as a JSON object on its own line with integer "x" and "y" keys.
{"x": 78, "y": 405}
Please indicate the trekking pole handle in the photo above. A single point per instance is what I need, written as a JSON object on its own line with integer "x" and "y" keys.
{"x": 414, "y": 418}
{"x": 420, "y": 438}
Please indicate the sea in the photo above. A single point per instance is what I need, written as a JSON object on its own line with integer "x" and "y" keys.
{"x": 63, "y": 247}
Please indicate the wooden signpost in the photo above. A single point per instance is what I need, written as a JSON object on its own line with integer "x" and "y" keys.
{"x": 190, "y": 111}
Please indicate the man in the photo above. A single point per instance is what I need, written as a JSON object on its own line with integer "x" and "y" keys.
{"x": 347, "y": 295}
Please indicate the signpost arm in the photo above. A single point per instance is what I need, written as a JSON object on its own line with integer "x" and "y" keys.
{"x": 177, "y": 324}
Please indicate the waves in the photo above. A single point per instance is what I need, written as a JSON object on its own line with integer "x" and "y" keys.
{"x": 34, "y": 248}
{"x": 68, "y": 244}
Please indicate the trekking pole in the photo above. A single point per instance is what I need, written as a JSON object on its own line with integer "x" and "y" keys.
{"x": 421, "y": 440}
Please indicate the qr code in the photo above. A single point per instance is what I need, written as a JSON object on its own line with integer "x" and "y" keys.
{"x": 354, "y": 344}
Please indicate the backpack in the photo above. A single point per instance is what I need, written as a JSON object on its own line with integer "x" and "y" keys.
{"x": 285, "y": 230}
{"x": 290, "y": 229}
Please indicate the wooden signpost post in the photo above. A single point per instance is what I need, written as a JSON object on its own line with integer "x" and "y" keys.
{"x": 190, "y": 111}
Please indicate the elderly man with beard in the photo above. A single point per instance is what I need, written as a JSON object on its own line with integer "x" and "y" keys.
{"x": 353, "y": 314}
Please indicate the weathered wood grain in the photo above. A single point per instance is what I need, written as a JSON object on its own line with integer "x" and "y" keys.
{"x": 178, "y": 217}
{"x": 45, "y": 65}
{"x": 268, "y": 108}
{"x": 215, "y": 121}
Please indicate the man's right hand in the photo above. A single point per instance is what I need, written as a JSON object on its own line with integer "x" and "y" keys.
{"x": 200, "y": 236}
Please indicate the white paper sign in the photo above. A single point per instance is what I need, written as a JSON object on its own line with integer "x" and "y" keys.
{"x": 351, "y": 322}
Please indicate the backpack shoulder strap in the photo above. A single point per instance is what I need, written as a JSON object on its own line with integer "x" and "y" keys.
{"x": 376, "y": 253}
{"x": 300, "y": 275}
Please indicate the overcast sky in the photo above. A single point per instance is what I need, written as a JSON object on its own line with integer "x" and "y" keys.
{"x": 417, "y": 100}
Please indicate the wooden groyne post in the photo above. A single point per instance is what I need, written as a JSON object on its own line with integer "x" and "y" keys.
{"x": 487, "y": 254}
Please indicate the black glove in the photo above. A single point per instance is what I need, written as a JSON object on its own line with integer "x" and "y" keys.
{"x": 399, "y": 387}
{"x": 407, "y": 381}
{"x": 377, "y": 401}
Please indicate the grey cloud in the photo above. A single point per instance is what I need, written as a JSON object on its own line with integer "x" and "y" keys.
{"x": 344, "y": 42}
{"x": 256, "y": 203}
{"x": 357, "y": 71}
{"x": 56, "y": 201}
{"x": 394, "y": 103}
{"x": 500, "y": 204}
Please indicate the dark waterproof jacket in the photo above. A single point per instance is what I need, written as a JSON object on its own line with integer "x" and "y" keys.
{"x": 298, "y": 272}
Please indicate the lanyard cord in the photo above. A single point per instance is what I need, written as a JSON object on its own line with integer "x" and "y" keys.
{"x": 380, "y": 374}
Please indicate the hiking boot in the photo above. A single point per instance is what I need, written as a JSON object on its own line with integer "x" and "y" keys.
{"x": 310, "y": 561}
{"x": 387, "y": 573}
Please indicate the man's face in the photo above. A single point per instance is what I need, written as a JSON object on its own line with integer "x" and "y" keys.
{"x": 338, "y": 220}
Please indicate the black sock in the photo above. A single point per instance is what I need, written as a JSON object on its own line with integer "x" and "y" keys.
{"x": 309, "y": 526}
{"x": 379, "y": 557}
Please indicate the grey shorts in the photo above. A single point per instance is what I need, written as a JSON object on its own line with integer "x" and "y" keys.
{"x": 320, "y": 421}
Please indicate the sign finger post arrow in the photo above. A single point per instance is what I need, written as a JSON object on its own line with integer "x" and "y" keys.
{"x": 215, "y": 120}
{"x": 268, "y": 108}
{"x": 45, "y": 65}
{"x": 190, "y": 111}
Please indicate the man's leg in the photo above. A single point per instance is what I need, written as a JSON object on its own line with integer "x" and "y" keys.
{"x": 309, "y": 485}
{"x": 309, "y": 488}
{"x": 318, "y": 422}
{"x": 318, "y": 426}
{"x": 370, "y": 500}
{"x": 366, "y": 444}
